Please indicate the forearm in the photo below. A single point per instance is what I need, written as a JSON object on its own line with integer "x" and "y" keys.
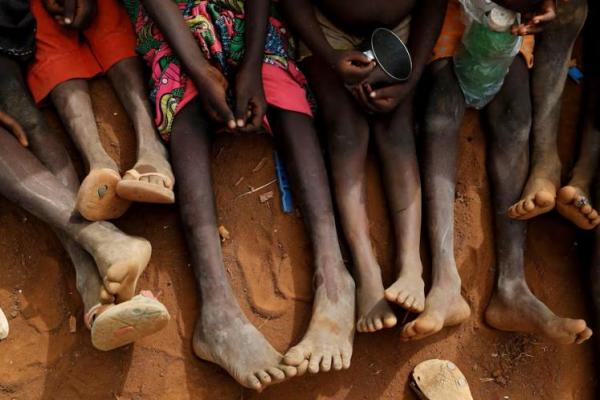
{"x": 257, "y": 16}
{"x": 301, "y": 17}
{"x": 167, "y": 16}
{"x": 425, "y": 29}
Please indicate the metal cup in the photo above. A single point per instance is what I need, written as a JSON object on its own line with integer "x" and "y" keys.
{"x": 394, "y": 64}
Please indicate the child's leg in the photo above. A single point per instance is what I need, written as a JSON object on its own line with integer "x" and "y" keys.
{"x": 513, "y": 307}
{"x": 348, "y": 140}
{"x": 395, "y": 139}
{"x": 574, "y": 201}
{"x": 15, "y": 99}
{"x": 332, "y": 325}
{"x": 223, "y": 334}
{"x": 444, "y": 305}
{"x": 553, "y": 49}
{"x": 126, "y": 77}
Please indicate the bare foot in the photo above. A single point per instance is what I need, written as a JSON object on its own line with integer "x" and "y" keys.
{"x": 227, "y": 338}
{"x": 518, "y": 310}
{"x": 574, "y": 205}
{"x": 97, "y": 198}
{"x": 408, "y": 291}
{"x": 444, "y": 307}
{"x": 539, "y": 197}
{"x": 151, "y": 180}
{"x": 374, "y": 313}
{"x": 328, "y": 341}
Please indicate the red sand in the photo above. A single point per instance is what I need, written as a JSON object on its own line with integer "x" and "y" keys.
{"x": 268, "y": 261}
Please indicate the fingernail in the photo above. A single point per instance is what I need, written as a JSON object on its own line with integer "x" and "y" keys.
{"x": 372, "y": 95}
{"x": 231, "y": 124}
{"x": 240, "y": 123}
{"x": 67, "y": 20}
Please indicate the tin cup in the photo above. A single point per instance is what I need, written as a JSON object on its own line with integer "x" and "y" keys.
{"x": 394, "y": 64}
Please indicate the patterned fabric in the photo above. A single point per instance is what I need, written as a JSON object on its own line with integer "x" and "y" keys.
{"x": 218, "y": 27}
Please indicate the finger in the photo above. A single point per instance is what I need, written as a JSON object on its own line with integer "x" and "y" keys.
{"x": 548, "y": 16}
{"x": 69, "y": 13}
{"x": 359, "y": 58}
{"x": 362, "y": 98}
{"x": 255, "y": 121}
{"x": 14, "y": 127}
{"x": 224, "y": 114}
{"x": 241, "y": 108}
{"x": 84, "y": 14}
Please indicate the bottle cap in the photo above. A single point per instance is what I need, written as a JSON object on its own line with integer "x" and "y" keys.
{"x": 500, "y": 19}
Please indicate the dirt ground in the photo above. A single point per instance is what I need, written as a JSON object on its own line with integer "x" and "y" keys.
{"x": 268, "y": 261}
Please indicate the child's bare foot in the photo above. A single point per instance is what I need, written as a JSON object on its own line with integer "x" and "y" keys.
{"x": 97, "y": 199}
{"x": 539, "y": 197}
{"x": 225, "y": 337}
{"x": 151, "y": 180}
{"x": 374, "y": 313}
{"x": 328, "y": 342}
{"x": 444, "y": 307}
{"x": 574, "y": 205}
{"x": 518, "y": 310}
{"x": 409, "y": 289}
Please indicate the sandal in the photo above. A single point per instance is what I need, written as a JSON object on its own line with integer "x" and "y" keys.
{"x": 439, "y": 380}
{"x": 133, "y": 189}
{"x": 127, "y": 322}
{"x": 3, "y": 326}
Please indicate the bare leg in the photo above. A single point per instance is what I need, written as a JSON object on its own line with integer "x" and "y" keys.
{"x": 394, "y": 135}
{"x": 97, "y": 199}
{"x": 513, "y": 307}
{"x": 553, "y": 50}
{"x": 126, "y": 78}
{"x": 223, "y": 334}
{"x": 328, "y": 342}
{"x": 348, "y": 137}
{"x": 444, "y": 305}
{"x": 595, "y": 277}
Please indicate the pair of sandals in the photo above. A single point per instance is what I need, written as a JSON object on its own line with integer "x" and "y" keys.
{"x": 104, "y": 195}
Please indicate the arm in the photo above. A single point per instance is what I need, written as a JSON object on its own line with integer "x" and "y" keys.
{"x": 210, "y": 82}
{"x": 75, "y": 14}
{"x": 352, "y": 66}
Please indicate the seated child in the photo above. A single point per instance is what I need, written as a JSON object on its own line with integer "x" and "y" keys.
{"x": 507, "y": 118}
{"x": 66, "y": 57}
{"x": 332, "y": 32}
{"x": 44, "y": 182}
{"x": 225, "y": 64}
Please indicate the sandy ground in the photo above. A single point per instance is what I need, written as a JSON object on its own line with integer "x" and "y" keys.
{"x": 268, "y": 261}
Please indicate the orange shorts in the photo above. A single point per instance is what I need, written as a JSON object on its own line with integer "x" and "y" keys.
{"x": 452, "y": 32}
{"x": 64, "y": 53}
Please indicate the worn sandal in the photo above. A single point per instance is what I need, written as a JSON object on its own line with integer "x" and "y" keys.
{"x": 127, "y": 322}
{"x": 133, "y": 189}
{"x": 3, "y": 326}
{"x": 439, "y": 380}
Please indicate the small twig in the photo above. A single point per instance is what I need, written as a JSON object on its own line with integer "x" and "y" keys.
{"x": 254, "y": 190}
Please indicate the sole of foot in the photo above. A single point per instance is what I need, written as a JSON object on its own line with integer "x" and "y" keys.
{"x": 125, "y": 323}
{"x": 374, "y": 313}
{"x": 524, "y": 313}
{"x": 97, "y": 199}
{"x": 149, "y": 187}
{"x": 443, "y": 308}
{"x": 121, "y": 265}
{"x": 534, "y": 204}
{"x": 328, "y": 341}
{"x": 233, "y": 343}
{"x": 408, "y": 292}
{"x": 574, "y": 205}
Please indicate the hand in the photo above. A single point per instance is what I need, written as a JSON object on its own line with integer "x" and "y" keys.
{"x": 534, "y": 22}
{"x": 352, "y": 66}
{"x": 250, "y": 103}
{"x": 72, "y": 13}
{"x": 14, "y": 127}
{"x": 383, "y": 100}
{"x": 212, "y": 91}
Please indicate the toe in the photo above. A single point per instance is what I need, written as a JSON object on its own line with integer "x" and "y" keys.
{"x": 583, "y": 336}
{"x": 390, "y": 321}
{"x": 409, "y": 303}
{"x": 326, "y": 363}
{"x": 253, "y": 383}
{"x": 378, "y": 324}
{"x": 360, "y": 325}
{"x": 290, "y": 372}
{"x": 294, "y": 356}
{"x": 544, "y": 199}
{"x": 521, "y": 208}
{"x": 346, "y": 359}
{"x": 337, "y": 362}
{"x": 593, "y": 215}
{"x": 314, "y": 362}
{"x": 402, "y": 296}
{"x": 301, "y": 369}
{"x": 586, "y": 209}
{"x": 264, "y": 377}
{"x": 370, "y": 326}
{"x": 276, "y": 374}
{"x": 528, "y": 205}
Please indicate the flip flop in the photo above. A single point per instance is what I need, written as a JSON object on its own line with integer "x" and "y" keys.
{"x": 133, "y": 189}
{"x": 439, "y": 380}
{"x": 126, "y": 322}
{"x": 97, "y": 199}
{"x": 3, "y": 326}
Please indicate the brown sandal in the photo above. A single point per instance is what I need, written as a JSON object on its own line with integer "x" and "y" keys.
{"x": 439, "y": 380}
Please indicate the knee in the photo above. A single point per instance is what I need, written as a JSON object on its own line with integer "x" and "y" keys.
{"x": 347, "y": 132}
{"x": 513, "y": 125}
{"x": 443, "y": 122}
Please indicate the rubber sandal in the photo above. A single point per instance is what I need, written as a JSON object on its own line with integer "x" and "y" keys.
{"x": 97, "y": 199}
{"x": 3, "y": 325}
{"x": 439, "y": 380}
{"x": 126, "y": 322}
{"x": 131, "y": 188}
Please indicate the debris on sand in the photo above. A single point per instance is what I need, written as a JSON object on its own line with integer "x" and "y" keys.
{"x": 266, "y": 197}
{"x": 3, "y": 326}
{"x": 224, "y": 233}
{"x": 254, "y": 190}
{"x": 260, "y": 164}
{"x": 72, "y": 324}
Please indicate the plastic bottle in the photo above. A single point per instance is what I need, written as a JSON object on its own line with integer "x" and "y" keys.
{"x": 487, "y": 51}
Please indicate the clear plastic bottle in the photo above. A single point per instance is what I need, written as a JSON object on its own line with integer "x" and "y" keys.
{"x": 486, "y": 54}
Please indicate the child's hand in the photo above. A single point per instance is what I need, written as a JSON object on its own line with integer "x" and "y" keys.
{"x": 352, "y": 66}
{"x": 383, "y": 100}
{"x": 14, "y": 127}
{"x": 212, "y": 91}
{"x": 72, "y": 13}
{"x": 534, "y": 22}
{"x": 250, "y": 103}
